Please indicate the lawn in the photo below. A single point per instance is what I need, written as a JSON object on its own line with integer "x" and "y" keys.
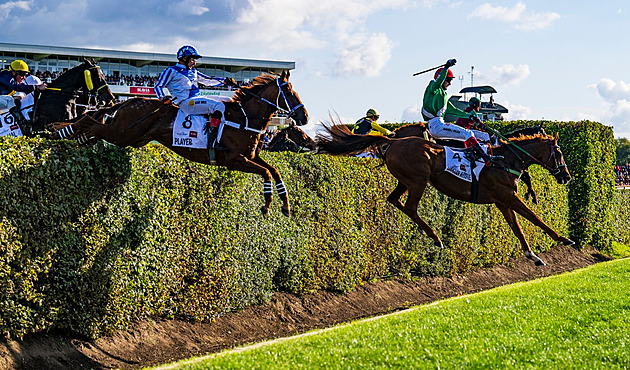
{"x": 575, "y": 320}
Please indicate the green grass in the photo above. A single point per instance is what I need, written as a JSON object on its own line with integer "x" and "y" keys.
{"x": 578, "y": 320}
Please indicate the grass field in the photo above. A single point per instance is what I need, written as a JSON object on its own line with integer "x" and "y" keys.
{"x": 578, "y": 320}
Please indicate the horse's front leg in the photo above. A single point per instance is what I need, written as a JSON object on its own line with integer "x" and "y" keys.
{"x": 280, "y": 187}
{"x": 510, "y": 217}
{"x": 243, "y": 164}
{"x": 522, "y": 209}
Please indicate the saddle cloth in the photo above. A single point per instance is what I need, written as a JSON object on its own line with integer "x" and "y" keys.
{"x": 458, "y": 165}
{"x": 8, "y": 127}
{"x": 189, "y": 131}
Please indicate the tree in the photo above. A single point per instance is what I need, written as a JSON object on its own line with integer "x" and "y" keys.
{"x": 623, "y": 151}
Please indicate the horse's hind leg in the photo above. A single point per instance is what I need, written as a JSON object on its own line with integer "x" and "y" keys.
{"x": 280, "y": 188}
{"x": 394, "y": 197}
{"x": 411, "y": 209}
{"x": 510, "y": 217}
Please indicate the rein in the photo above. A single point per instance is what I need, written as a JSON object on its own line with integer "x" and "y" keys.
{"x": 290, "y": 108}
{"x": 552, "y": 170}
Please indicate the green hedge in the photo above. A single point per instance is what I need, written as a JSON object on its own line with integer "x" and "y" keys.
{"x": 94, "y": 239}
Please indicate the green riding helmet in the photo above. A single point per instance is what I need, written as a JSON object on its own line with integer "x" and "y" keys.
{"x": 372, "y": 113}
{"x": 474, "y": 102}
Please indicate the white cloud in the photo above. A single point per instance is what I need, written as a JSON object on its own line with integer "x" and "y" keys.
{"x": 6, "y": 8}
{"x": 364, "y": 55}
{"x": 319, "y": 24}
{"x": 517, "y": 15}
{"x": 617, "y": 95}
{"x": 517, "y": 111}
{"x": 412, "y": 114}
{"x": 511, "y": 75}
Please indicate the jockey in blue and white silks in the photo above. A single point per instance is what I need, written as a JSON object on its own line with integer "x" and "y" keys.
{"x": 182, "y": 81}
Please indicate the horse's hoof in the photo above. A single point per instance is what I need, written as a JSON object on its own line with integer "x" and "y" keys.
{"x": 286, "y": 211}
{"x": 568, "y": 242}
{"x": 439, "y": 245}
{"x": 264, "y": 211}
{"x": 540, "y": 262}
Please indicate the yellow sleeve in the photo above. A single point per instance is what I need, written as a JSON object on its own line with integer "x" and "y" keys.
{"x": 382, "y": 130}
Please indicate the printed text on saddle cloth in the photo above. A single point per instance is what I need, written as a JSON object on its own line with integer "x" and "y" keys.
{"x": 458, "y": 165}
{"x": 189, "y": 132}
{"x": 8, "y": 127}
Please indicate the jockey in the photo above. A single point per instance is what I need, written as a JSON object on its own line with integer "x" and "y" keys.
{"x": 435, "y": 103}
{"x": 474, "y": 104}
{"x": 367, "y": 124}
{"x": 28, "y": 102}
{"x": 11, "y": 82}
{"x": 182, "y": 81}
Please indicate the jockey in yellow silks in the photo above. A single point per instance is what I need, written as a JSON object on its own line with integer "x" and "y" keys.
{"x": 368, "y": 125}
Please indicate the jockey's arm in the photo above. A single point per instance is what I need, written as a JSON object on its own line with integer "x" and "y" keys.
{"x": 162, "y": 82}
{"x": 379, "y": 128}
{"x": 206, "y": 80}
{"x": 451, "y": 109}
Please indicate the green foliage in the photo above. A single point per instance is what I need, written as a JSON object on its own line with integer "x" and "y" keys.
{"x": 623, "y": 151}
{"x": 560, "y": 322}
{"x": 94, "y": 239}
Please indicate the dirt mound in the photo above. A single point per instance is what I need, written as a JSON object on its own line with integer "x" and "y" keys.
{"x": 155, "y": 342}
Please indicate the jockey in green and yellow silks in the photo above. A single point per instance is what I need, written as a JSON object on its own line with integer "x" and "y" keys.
{"x": 435, "y": 104}
{"x": 368, "y": 125}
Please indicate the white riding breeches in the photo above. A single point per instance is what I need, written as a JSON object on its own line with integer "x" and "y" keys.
{"x": 442, "y": 130}
{"x": 201, "y": 105}
{"x": 482, "y": 136}
{"x": 6, "y": 102}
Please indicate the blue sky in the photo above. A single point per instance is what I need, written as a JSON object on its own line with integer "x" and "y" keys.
{"x": 562, "y": 60}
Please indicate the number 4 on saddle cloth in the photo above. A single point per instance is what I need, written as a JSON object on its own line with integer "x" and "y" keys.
{"x": 458, "y": 163}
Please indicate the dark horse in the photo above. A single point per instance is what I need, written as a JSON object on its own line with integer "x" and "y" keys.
{"x": 81, "y": 86}
{"x": 416, "y": 162}
{"x": 138, "y": 121}
{"x": 293, "y": 139}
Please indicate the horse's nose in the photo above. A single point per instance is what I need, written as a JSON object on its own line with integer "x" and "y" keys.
{"x": 300, "y": 116}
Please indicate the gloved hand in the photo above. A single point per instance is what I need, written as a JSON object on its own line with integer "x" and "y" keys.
{"x": 167, "y": 99}
{"x": 229, "y": 81}
{"x": 449, "y": 63}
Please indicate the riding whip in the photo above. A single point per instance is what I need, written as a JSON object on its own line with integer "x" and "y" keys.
{"x": 428, "y": 70}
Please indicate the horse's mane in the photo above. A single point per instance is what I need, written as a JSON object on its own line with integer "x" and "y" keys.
{"x": 258, "y": 82}
{"x": 522, "y": 138}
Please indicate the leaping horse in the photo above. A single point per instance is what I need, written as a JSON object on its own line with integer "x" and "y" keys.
{"x": 136, "y": 122}
{"x": 66, "y": 97}
{"x": 416, "y": 162}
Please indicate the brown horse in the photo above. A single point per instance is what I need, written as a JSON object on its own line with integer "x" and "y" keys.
{"x": 138, "y": 121}
{"x": 416, "y": 162}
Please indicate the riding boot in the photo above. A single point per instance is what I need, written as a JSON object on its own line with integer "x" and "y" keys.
{"x": 213, "y": 132}
{"x": 485, "y": 156}
{"x": 25, "y": 125}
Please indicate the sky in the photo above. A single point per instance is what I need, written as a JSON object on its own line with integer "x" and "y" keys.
{"x": 560, "y": 60}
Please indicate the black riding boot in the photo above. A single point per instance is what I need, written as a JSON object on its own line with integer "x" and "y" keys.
{"x": 25, "y": 125}
{"x": 213, "y": 132}
{"x": 485, "y": 156}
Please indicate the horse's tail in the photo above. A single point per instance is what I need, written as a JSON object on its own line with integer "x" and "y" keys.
{"x": 344, "y": 142}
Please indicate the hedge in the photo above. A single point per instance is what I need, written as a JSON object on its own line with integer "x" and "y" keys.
{"x": 96, "y": 238}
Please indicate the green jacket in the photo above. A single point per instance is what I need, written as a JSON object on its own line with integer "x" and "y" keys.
{"x": 435, "y": 100}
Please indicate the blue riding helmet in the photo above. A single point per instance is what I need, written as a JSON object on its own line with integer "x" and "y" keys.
{"x": 187, "y": 51}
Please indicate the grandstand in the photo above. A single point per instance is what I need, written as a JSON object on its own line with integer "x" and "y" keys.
{"x": 133, "y": 73}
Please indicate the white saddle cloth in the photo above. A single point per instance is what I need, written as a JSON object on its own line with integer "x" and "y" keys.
{"x": 8, "y": 127}
{"x": 459, "y": 166}
{"x": 188, "y": 131}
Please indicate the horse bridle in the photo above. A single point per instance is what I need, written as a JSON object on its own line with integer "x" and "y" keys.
{"x": 552, "y": 146}
{"x": 89, "y": 83}
{"x": 290, "y": 109}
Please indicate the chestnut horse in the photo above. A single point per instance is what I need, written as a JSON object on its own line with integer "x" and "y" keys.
{"x": 416, "y": 162}
{"x": 81, "y": 86}
{"x": 138, "y": 121}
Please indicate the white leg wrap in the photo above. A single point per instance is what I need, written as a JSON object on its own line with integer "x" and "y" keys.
{"x": 282, "y": 190}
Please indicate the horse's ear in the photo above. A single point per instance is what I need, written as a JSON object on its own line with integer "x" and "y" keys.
{"x": 557, "y": 137}
{"x": 285, "y": 75}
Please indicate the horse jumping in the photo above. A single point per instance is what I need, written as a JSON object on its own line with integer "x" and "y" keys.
{"x": 79, "y": 86}
{"x": 416, "y": 162}
{"x": 138, "y": 121}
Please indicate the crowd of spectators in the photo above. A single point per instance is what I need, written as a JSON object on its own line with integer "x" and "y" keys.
{"x": 131, "y": 80}
{"x": 622, "y": 175}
